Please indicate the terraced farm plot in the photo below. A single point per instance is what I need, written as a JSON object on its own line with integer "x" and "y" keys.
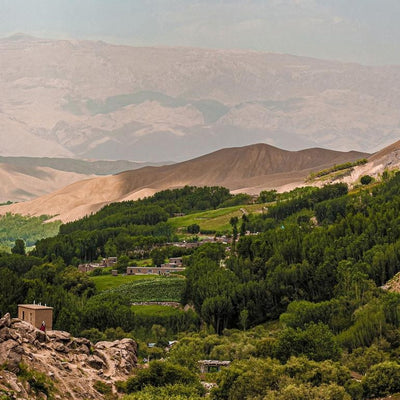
{"x": 106, "y": 282}
{"x": 215, "y": 220}
{"x": 156, "y": 289}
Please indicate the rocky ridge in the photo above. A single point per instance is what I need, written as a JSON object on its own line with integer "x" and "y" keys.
{"x": 70, "y": 365}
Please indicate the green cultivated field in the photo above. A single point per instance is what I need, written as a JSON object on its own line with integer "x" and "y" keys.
{"x": 156, "y": 311}
{"x": 215, "y": 220}
{"x": 155, "y": 289}
{"x": 105, "y": 282}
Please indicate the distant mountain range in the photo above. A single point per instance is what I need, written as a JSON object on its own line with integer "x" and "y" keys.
{"x": 86, "y": 99}
{"x": 24, "y": 178}
{"x": 247, "y": 169}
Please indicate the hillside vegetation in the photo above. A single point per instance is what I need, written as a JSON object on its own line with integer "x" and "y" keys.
{"x": 297, "y": 308}
{"x": 29, "y": 229}
{"x": 215, "y": 221}
{"x": 335, "y": 168}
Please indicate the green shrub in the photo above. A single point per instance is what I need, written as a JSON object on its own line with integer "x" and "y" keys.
{"x": 366, "y": 179}
{"x": 161, "y": 374}
{"x": 382, "y": 379}
{"x": 93, "y": 334}
{"x": 193, "y": 228}
{"x": 38, "y": 381}
{"x": 170, "y": 392}
{"x": 102, "y": 387}
{"x": 316, "y": 342}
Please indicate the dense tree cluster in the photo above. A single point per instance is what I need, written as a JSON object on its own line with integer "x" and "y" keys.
{"x": 28, "y": 229}
{"x": 126, "y": 227}
{"x": 352, "y": 246}
{"x": 311, "y": 272}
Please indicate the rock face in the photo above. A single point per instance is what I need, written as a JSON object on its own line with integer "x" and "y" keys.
{"x": 73, "y": 365}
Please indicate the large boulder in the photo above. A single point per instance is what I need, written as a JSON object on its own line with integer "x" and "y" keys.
{"x": 41, "y": 336}
{"x": 11, "y": 354}
{"x": 122, "y": 352}
{"x": 5, "y": 321}
{"x": 59, "y": 336}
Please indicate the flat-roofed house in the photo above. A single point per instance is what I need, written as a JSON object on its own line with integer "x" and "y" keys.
{"x": 35, "y": 314}
{"x": 177, "y": 261}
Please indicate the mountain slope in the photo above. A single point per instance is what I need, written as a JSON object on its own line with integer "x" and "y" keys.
{"x": 91, "y": 99}
{"x": 386, "y": 159}
{"x": 24, "y": 178}
{"x": 21, "y": 184}
{"x": 251, "y": 169}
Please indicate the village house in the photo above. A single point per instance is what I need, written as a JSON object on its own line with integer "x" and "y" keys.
{"x": 89, "y": 267}
{"x": 163, "y": 270}
{"x": 180, "y": 214}
{"x": 105, "y": 262}
{"x": 177, "y": 261}
{"x": 35, "y": 314}
{"x": 109, "y": 261}
{"x": 173, "y": 262}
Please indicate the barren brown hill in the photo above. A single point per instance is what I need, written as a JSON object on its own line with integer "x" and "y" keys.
{"x": 21, "y": 184}
{"x": 248, "y": 169}
{"x": 387, "y": 151}
{"x": 25, "y": 178}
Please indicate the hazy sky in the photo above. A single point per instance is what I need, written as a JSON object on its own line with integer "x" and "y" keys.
{"x": 365, "y": 31}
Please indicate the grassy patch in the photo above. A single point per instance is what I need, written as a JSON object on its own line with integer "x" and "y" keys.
{"x": 214, "y": 220}
{"x": 106, "y": 282}
{"x": 142, "y": 263}
{"x": 39, "y": 382}
{"x": 103, "y": 388}
{"x": 156, "y": 311}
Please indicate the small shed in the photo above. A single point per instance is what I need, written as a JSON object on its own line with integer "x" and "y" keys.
{"x": 114, "y": 272}
{"x": 35, "y": 314}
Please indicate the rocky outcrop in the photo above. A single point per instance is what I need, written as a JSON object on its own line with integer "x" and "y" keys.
{"x": 71, "y": 365}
